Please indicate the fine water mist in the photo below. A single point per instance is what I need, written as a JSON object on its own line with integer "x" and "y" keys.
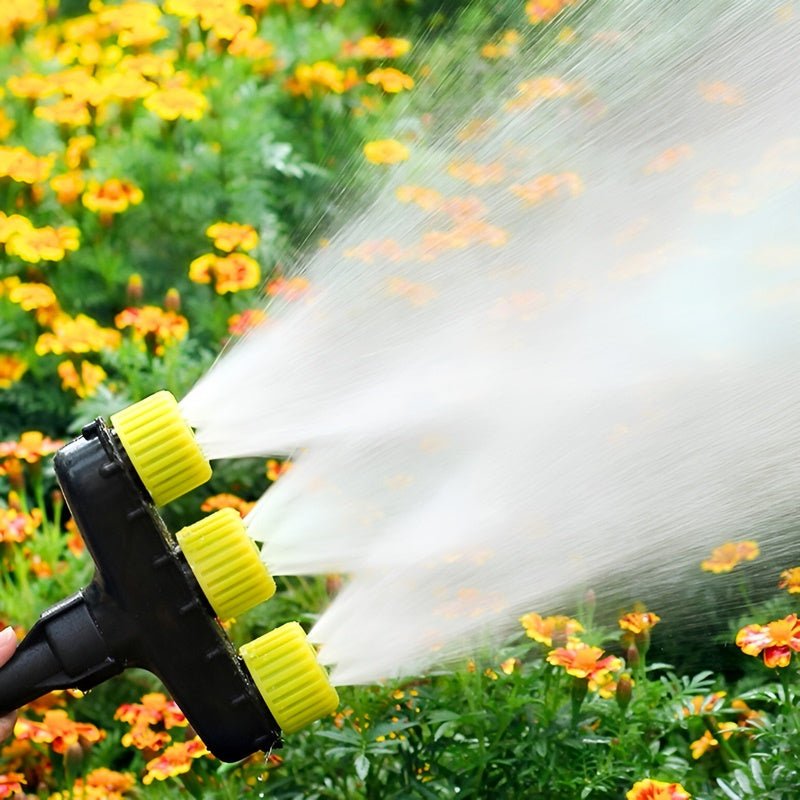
{"x": 560, "y": 343}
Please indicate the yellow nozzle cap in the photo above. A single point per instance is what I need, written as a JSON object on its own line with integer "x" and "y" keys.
{"x": 226, "y": 564}
{"x": 293, "y": 683}
{"x": 161, "y": 447}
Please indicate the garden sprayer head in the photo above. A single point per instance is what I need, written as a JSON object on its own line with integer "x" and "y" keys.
{"x": 156, "y": 600}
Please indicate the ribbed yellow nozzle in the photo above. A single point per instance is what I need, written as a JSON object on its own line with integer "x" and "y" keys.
{"x": 161, "y": 447}
{"x": 226, "y": 563}
{"x": 293, "y": 683}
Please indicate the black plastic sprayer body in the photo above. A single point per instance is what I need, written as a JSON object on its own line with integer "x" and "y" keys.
{"x": 145, "y": 608}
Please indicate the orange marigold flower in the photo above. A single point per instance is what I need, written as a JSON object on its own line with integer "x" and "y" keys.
{"x": 58, "y": 730}
{"x": 703, "y": 704}
{"x": 650, "y": 789}
{"x": 427, "y": 199}
{"x": 155, "y": 708}
{"x": 582, "y": 660}
{"x": 639, "y": 621}
{"x": 288, "y": 288}
{"x": 240, "y": 324}
{"x": 543, "y": 629}
{"x": 545, "y": 10}
{"x": 229, "y": 236}
{"x": 218, "y": 501}
{"x": 103, "y": 784}
{"x": 15, "y": 524}
{"x": 790, "y": 580}
{"x": 707, "y": 741}
{"x": 725, "y": 557}
{"x": 79, "y": 334}
{"x": 177, "y": 101}
{"x": 748, "y": 717}
{"x": 775, "y": 640}
{"x": 277, "y": 467}
{"x": 68, "y": 186}
{"x": 175, "y": 760}
{"x": 77, "y": 150}
{"x": 112, "y": 196}
{"x": 548, "y": 186}
{"x": 386, "y": 151}
{"x": 11, "y": 784}
{"x": 391, "y": 80}
{"x": 143, "y": 737}
{"x": 11, "y": 370}
{"x": 22, "y": 166}
{"x": 153, "y": 325}
{"x": 43, "y": 244}
{"x": 83, "y": 383}
{"x": 375, "y": 47}
{"x": 31, "y": 447}
{"x": 236, "y": 272}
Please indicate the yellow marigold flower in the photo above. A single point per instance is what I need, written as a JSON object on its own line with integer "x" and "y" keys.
{"x": 20, "y": 14}
{"x": 79, "y": 83}
{"x": 79, "y": 334}
{"x": 584, "y": 661}
{"x": 68, "y": 186}
{"x": 112, "y": 196}
{"x": 228, "y": 236}
{"x": 639, "y": 621}
{"x": 12, "y": 225}
{"x": 154, "y": 709}
{"x": 143, "y": 737}
{"x": 201, "y": 270}
{"x": 153, "y": 326}
{"x": 149, "y": 65}
{"x": 240, "y": 324}
{"x": 477, "y": 174}
{"x": 218, "y": 501}
{"x": 323, "y": 75}
{"x": 11, "y": 370}
{"x": 385, "y": 151}
{"x": 707, "y": 741}
{"x": 236, "y": 272}
{"x": 543, "y": 629}
{"x": 725, "y": 557}
{"x": 375, "y": 47}
{"x": 228, "y": 25}
{"x": 43, "y": 244}
{"x": 31, "y": 447}
{"x": 427, "y": 199}
{"x": 57, "y": 730}
{"x": 277, "y": 467}
{"x": 545, "y": 10}
{"x": 17, "y": 525}
{"x": 178, "y": 101}
{"x": 175, "y": 760}
{"x": 103, "y": 784}
{"x": 650, "y": 789}
{"x": 6, "y": 124}
{"x": 33, "y": 297}
{"x": 70, "y": 111}
{"x": 83, "y": 383}
{"x": 790, "y": 580}
{"x": 77, "y": 150}
{"x": 391, "y": 80}
{"x": 22, "y": 166}
{"x": 30, "y": 86}
{"x": 127, "y": 86}
{"x": 509, "y": 665}
{"x": 775, "y": 641}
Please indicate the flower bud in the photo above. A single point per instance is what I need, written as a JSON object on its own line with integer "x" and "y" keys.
{"x": 135, "y": 289}
{"x": 632, "y": 656}
{"x": 624, "y": 691}
{"x": 172, "y": 300}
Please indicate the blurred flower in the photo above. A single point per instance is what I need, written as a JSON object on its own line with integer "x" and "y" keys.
{"x": 548, "y": 186}
{"x": 790, "y": 580}
{"x": 426, "y": 199}
{"x": 748, "y": 717}
{"x": 43, "y": 244}
{"x": 15, "y": 524}
{"x": 502, "y": 48}
{"x": 509, "y": 665}
{"x": 232, "y": 273}
{"x": 650, "y": 789}
{"x": 584, "y": 661}
{"x": 240, "y": 324}
{"x": 30, "y": 86}
{"x": 79, "y": 334}
{"x": 20, "y": 14}
{"x": 218, "y": 501}
{"x": 707, "y": 741}
{"x": 12, "y": 225}
{"x": 703, "y": 704}
{"x": 639, "y": 621}
{"x": 153, "y": 326}
{"x": 103, "y": 784}
{"x": 112, "y": 196}
{"x": 376, "y": 250}
{"x": 177, "y": 101}
{"x": 543, "y": 629}
{"x": 31, "y": 447}
{"x": 228, "y": 236}
{"x": 154, "y": 709}
{"x": 277, "y": 467}
{"x": 12, "y": 369}
{"x": 391, "y": 80}
{"x": 544, "y": 10}
{"x": 70, "y": 111}
{"x": 19, "y": 164}
{"x": 417, "y": 293}
{"x": 475, "y": 173}
{"x": 534, "y": 91}
{"x": 77, "y": 150}
{"x": 175, "y": 760}
{"x": 385, "y": 151}
{"x": 725, "y": 557}
{"x": 668, "y": 159}
{"x": 172, "y": 300}
{"x": 320, "y": 75}
{"x": 57, "y": 730}
{"x": 126, "y": 85}
{"x": 288, "y": 288}
{"x": 68, "y": 186}
{"x": 775, "y": 640}
{"x": 6, "y": 124}
{"x": 721, "y": 93}
{"x": 83, "y": 383}
{"x": 377, "y": 48}
{"x": 11, "y": 784}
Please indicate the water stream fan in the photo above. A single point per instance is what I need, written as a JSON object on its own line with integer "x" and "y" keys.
{"x": 156, "y": 599}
